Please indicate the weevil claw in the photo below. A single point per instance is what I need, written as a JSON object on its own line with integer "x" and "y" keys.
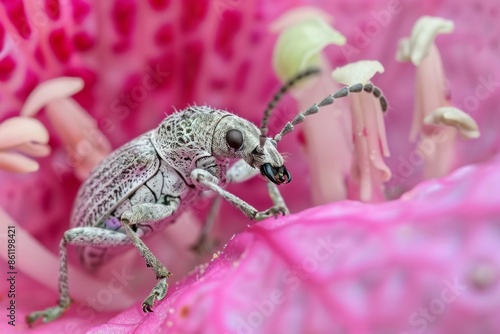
{"x": 47, "y": 315}
{"x": 158, "y": 293}
{"x": 146, "y": 308}
{"x": 271, "y": 212}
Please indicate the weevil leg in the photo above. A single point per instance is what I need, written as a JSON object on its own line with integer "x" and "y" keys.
{"x": 157, "y": 293}
{"x": 143, "y": 214}
{"x": 204, "y": 244}
{"x": 83, "y": 236}
{"x": 205, "y": 180}
{"x": 161, "y": 272}
{"x": 276, "y": 197}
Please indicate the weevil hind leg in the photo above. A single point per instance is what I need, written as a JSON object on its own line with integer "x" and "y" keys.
{"x": 162, "y": 273}
{"x": 157, "y": 293}
{"x": 151, "y": 261}
{"x": 47, "y": 315}
{"x": 52, "y": 313}
{"x": 81, "y": 236}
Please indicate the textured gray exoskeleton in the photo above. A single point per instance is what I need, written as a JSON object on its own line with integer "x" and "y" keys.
{"x": 145, "y": 184}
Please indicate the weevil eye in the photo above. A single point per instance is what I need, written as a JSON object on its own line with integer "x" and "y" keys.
{"x": 234, "y": 139}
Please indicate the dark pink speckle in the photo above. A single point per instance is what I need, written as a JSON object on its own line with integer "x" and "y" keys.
{"x": 60, "y": 45}
{"x": 193, "y": 13}
{"x": 164, "y": 64}
{"x": 159, "y": 4}
{"x": 121, "y": 46}
{"x": 124, "y": 15}
{"x": 2, "y": 36}
{"x": 7, "y": 66}
{"x": 80, "y": 10}
{"x": 52, "y": 7}
{"x": 15, "y": 12}
{"x": 83, "y": 41}
{"x": 164, "y": 35}
{"x": 39, "y": 56}
{"x": 193, "y": 53}
{"x": 230, "y": 25}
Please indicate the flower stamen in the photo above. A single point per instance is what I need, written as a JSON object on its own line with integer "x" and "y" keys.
{"x": 434, "y": 119}
{"x": 368, "y": 169}
{"x": 78, "y": 131}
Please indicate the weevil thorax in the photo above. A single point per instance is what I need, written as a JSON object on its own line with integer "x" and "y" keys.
{"x": 186, "y": 136}
{"x": 237, "y": 138}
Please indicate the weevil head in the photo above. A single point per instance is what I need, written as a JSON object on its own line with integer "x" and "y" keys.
{"x": 237, "y": 138}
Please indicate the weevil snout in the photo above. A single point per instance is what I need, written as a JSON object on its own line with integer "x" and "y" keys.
{"x": 276, "y": 175}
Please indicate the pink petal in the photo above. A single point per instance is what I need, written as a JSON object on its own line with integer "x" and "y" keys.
{"x": 350, "y": 267}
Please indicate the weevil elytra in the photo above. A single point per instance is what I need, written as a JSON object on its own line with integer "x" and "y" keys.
{"x": 148, "y": 182}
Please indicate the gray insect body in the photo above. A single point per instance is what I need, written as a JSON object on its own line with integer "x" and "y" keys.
{"x": 154, "y": 168}
{"x": 144, "y": 185}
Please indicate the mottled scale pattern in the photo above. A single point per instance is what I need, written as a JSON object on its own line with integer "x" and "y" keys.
{"x": 165, "y": 186}
{"x": 115, "y": 179}
{"x": 186, "y": 136}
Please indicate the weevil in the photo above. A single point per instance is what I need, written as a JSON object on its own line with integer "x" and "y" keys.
{"x": 147, "y": 183}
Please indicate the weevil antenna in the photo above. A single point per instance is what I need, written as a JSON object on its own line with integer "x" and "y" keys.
{"x": 277, "y": 97}
{"x": 344, "y": 92}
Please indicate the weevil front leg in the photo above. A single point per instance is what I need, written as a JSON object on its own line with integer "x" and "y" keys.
{"x": 204, "y": 180}
{"x": 276, "y": 197}
{"x": 237, "y": 173}
{"x": 81, "y": 236}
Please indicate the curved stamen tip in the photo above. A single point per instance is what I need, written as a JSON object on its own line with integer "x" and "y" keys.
{"x": 456, "y": 118}
{"x": 51, "y": 90}
{"x": 423, "y": 34}
{"x": 360, "y": 71}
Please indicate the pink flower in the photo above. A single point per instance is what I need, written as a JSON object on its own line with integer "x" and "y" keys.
{"x": 138, "y": 59}
{"x": 351, "y": 268}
